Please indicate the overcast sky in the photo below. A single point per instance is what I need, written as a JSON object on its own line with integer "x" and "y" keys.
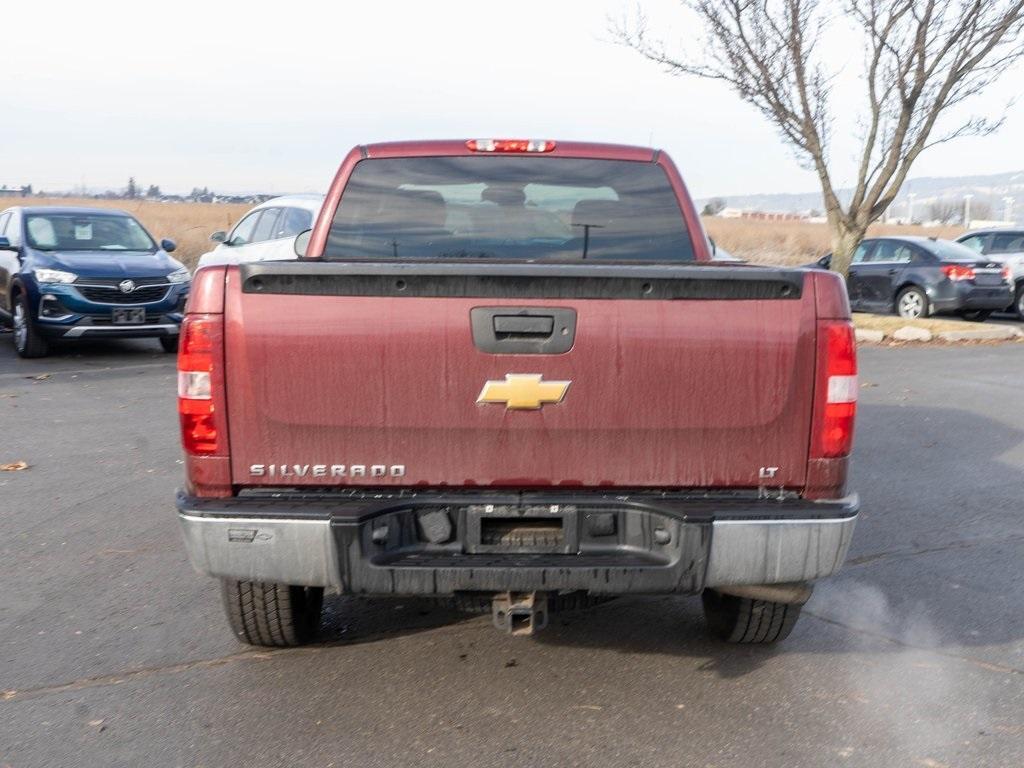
{"x": 254, "y": 96}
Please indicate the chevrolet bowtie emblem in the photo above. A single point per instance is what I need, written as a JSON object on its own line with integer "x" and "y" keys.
{"x": 523, "y": 391}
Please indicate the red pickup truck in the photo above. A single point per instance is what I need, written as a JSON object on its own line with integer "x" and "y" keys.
{"x": 509, "y": 373}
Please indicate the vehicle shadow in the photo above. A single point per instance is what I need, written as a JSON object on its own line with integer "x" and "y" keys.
{"x": 662, "y": 625}
{"x": 68, "y": 356}
{"x": 90, "y": 348}
{"x": 350, "y": 620}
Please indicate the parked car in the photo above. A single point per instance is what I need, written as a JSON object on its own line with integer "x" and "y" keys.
{"x": 266, "y": 233}
{"x": 497, "y": 376}
{"x": 1005, "y": 246}
{"x": 86, "y": 273}
{"x": 922, "y": 276}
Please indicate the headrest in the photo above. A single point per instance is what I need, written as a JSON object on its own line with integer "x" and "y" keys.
{"x": 503, "y": 194}
{"x": 595, "y": 212}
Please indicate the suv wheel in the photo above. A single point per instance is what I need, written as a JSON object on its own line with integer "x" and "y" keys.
{"x": 744, "y": 620}
{"x": 169, "y": 343}
{"x": 1018, "y": 301}
{"x": 912, "y": 303}
{"x": 274, "y": 615}
{"x": 27, "y": 341}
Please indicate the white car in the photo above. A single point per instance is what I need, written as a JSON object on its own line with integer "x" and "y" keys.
{"x": 719, "y": 253}
{"x": 266, "y": 233}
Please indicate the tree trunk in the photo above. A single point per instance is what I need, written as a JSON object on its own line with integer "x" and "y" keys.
{"x": 844, "y": 243}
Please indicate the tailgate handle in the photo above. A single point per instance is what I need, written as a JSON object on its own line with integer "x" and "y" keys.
{"x": 523, "y": 330}
{"x": 507, "y": 326}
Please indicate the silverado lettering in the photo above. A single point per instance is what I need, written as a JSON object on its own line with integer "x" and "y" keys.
{"x": 587, "y": 404}
{"x": 327, "y": 470}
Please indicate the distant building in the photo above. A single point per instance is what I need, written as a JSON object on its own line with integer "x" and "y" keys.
{"x": 244, "y": 199}
{"x": 22, "y": 191}
{"x": 744, "y": 213}
{"x": 988, "y": 223}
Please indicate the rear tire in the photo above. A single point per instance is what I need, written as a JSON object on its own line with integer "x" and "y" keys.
{"x": 743, "y": 620}
{"x": 27, "y": 341}
{"x": 169, "y": 343}
{"x": 912, "y": 303}
{"x": 272, "y": 615}
{"x": 1018, "y": 302}
{"x": 976, "y": 315}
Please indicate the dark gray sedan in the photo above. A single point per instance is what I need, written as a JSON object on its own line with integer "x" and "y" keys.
{"x": 922, "y": 276}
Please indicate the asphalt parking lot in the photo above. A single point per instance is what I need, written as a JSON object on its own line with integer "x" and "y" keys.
{"x": 114, "y": 653}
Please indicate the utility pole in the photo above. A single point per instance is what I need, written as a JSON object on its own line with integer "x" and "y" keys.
{"x": 967, "y": 210}
{"x": 910, "y": 207}
{"x": 1008, "y": 211}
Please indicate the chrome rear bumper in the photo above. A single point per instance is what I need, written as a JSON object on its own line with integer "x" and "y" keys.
{"x": 253, "y": 549}
{"x": 776, "y": 551}
{"x": 351, "y": 555}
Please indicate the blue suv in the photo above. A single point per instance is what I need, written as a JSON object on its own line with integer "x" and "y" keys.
{"x": 85, "y": 273}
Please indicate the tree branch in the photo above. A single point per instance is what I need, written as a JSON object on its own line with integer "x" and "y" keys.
{"x": 924, "y": 58}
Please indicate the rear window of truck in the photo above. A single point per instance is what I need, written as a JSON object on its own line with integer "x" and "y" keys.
{"x": 508, "y": 208}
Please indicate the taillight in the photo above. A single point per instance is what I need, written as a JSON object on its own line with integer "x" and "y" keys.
{"x": 198, "y": 355}
{"x": 509, "y": 145}
{"x": 837, "y": 390}
{"x": 956, "y": 272}
{"x": 1007, "y": 274}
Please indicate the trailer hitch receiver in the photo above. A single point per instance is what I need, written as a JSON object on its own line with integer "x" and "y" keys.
{"x": 520, "y": 613}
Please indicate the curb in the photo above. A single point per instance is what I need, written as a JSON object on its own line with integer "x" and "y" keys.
{"x": 869, "y": 336}
{"x": 912, "y": 334}
{"x": 1004, "y": 333}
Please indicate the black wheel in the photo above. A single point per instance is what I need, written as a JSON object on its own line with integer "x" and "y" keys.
{"x": 743, "y": 620}
{"x": 912, "y": 303}
{"x": 27, "y": 341}
{"x": 976, "y": 315}
{"x": 1018, "y": 301}
{"x": 275, "y": 615}
{"x": 169, "y": 343}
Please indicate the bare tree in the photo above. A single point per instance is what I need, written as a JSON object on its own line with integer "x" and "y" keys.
{"x": 947, "y": 210}
{"x": 922, "y": 58}
{"x": 980, "y": 209}
{"x": 713, "y": 207}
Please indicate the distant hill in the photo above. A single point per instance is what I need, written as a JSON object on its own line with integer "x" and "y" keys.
{"x": 991, "y": 189}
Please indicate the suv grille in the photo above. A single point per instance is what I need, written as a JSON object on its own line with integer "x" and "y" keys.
{"x": 113, "y": 295}
{"x": 114, "y": 281}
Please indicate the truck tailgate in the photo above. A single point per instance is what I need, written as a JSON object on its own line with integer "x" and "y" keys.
{"x": 678, "y": 377}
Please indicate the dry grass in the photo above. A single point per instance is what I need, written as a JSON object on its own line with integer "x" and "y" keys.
{"x": 763, "y": 242}
{"x": 891, "y": 323}
{"x": 187, "y": 224}
{"x": 794, "y": 242}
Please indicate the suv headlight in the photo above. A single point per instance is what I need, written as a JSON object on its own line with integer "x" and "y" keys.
{"x": 179, "y": 276}
{"x": 54, "y": 276}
